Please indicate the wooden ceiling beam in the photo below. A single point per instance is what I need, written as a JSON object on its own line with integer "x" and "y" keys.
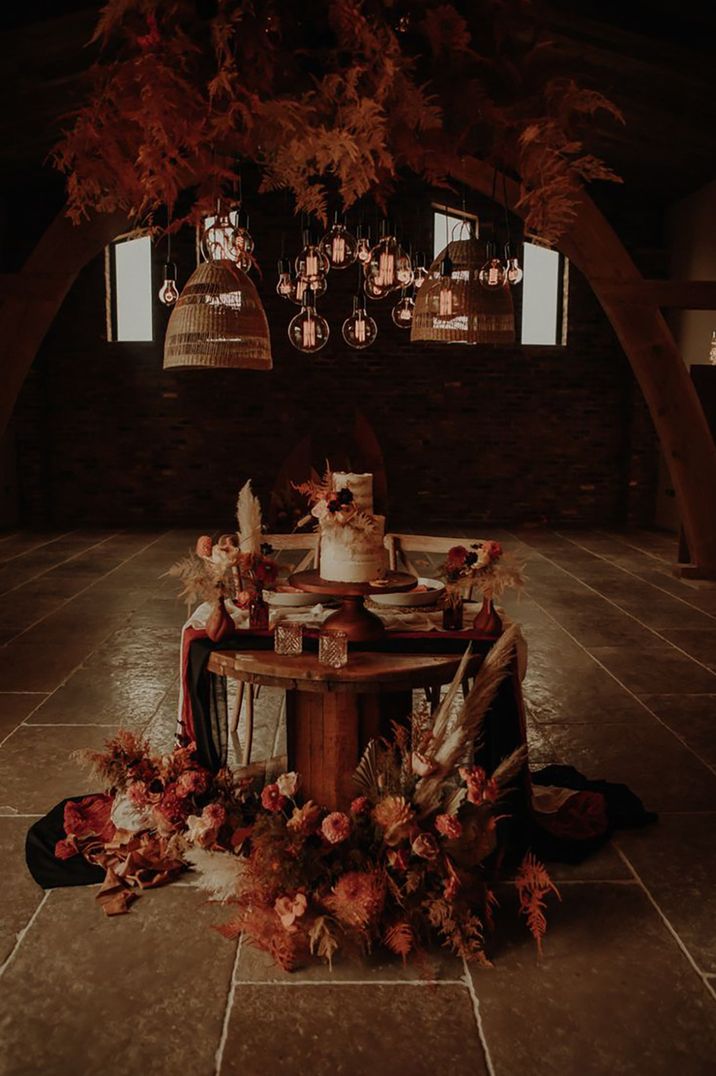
{"x": 668, "y": 294}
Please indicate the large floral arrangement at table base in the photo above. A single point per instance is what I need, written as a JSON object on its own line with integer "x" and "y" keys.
{"x": 408, "y": 862}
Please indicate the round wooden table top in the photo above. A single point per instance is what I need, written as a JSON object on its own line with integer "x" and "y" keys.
{"x": 312, "y": 583}
{"x": 366, "y": 672}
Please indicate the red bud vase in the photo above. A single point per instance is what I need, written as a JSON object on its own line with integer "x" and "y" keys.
{"x": 487, "y": 621}
{"x": 219, "y": 625}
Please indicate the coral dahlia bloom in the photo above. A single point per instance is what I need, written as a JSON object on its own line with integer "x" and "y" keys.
{"x": 336, "y": 827}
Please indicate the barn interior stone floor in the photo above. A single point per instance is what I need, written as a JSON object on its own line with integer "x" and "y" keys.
{"x": 621, "y": 683}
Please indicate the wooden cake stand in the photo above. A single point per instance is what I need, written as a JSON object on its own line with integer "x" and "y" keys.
{"x": 359, "y": 624}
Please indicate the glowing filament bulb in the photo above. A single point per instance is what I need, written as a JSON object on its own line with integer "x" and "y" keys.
{"x": 386, "y": 269}
{"x": 168, "y": 293}
{"x": 309, "y": 331}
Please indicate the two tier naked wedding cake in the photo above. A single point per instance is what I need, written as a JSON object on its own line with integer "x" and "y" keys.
{"x": 351, "y": 536}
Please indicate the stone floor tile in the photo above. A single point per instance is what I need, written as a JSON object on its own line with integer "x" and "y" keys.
{"x": 20, "y": 894}
{"x": 575, "y": 689}
{"x": 655, "y": 670}
{"x": 36, "y": 770}
{"x": 612, "y": 993}
{"x": 677, "y": 863}
{"x": 699, "y": 643}
{"x": 692, "y": 717}
{"x": 142, "y": 993}
{"x": 40, "y": 666}
{"x": 604, "y": 865}
{"x": 99, "y": 694}
{"x": 14, "y": 708}
{"x": 352, "y": 1030}
{"x": 650, "y": 760}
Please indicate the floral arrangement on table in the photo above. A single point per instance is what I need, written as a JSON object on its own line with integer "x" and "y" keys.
{"x": 235, "y": 565}
{"x": 484, "y": 565}
{"x": 406, "y": 862}
{"x": 333, "y": 507}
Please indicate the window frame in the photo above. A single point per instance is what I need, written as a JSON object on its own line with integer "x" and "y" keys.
{"x": 111, "y": 292}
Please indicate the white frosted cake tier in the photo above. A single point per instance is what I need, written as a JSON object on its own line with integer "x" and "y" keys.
{"x": 352, "y": 556}
{"x": 360, "y": 485}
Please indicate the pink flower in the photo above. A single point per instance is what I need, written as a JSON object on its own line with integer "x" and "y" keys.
{"x": 169, "y": 812}
{"x": 336, "y": 827}
{"x": 137, "y": 793}
{"x": 203, "y": 546}
{"x": 448, "y": 826}
{"x": 494, "y": 550}
{"x": 243, "y": 599}
{"x": 192, "y": 783}
{"x": 425, "y": 846}
{"x": 204, "y": 829}
{"x": 289, "y": 909}
{"x": 360, "y": 805}
{"x": 272, "y": 798}
{"x": 288, "y": 784}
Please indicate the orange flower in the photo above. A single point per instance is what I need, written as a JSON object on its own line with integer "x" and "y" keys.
{"x": 448, "y": 826}
{"x": 203, "y": 546}
{"x": 272, "y": 799}
{"x": 304, "y": 820}
{"x": 357, "y": 898}
{"x": 360, "y": 805}
{"x": 395, "y": 816}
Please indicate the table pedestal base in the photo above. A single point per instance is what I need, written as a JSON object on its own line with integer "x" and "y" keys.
{"x": 326, "y": 734}
{"x": 359, "y": 624}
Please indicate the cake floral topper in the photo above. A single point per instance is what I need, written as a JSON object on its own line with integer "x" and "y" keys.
{"x": 332, "y": 506}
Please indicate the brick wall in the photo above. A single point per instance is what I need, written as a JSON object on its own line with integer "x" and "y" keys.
{"x": 474, "y": 435}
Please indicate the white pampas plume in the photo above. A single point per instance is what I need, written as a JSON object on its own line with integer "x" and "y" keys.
{"x": 248, "y": 517}
{"x": 217, "y": 873}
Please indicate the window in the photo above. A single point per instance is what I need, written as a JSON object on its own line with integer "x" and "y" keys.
{"x": 132, "y": 294}
{"x": 540, "y": 295}
{"x": 543, "y": 288}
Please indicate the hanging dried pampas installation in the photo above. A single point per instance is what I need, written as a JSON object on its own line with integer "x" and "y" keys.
{"x": 218, "y": 321}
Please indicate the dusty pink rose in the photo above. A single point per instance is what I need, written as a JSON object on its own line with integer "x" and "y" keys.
{"x": 360, "y": 805}
{"x": 288, "y": 784}
{"x": 192, "y": 783}
{"x": 336, "y": 827}
{"x": 425, "y": 846}
{"x": 169, "y": 812}
{"x": 448, "y": 826}
{"x": 289, "y": 909}
{"x": 204, "y": 546}
{"x": 272, "y": 798}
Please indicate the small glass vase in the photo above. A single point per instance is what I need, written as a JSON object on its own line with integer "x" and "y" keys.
{"x": 453, "y": 610}
{"x": 258, "y": 612}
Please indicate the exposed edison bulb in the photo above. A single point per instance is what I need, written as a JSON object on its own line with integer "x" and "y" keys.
{"x": 492, "y": 274}
{"x": 168, "y": 293}
{"x": 359, "y": 330}
{"x": 446, "y": 295}
{"x": 218, "y": 239}
{"x": 513, "y": 273}
{"x": 339, "y": 246}
{"x": 389, "y": 265}
{"x": 420, "y": 273}
{"x": 311, "y": 262}
{"x": 308, "y": 331}
{"x": 372, "y": 290}
{"x": 402, "y": 312}
{"x": 302, "y": 283}
{"x": 363, "y": 247}
{"x": 285, "y": 285}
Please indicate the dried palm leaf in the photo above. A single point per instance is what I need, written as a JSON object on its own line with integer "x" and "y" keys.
{"x": 248, "y": 518}
{"x": 366, "y": 773}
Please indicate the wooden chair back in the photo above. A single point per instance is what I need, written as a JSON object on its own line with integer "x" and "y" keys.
{"x": 399, "y": 545}
{"x": 307, "y": 542}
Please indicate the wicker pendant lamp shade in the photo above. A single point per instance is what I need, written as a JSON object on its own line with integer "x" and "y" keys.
{"x": 473, "y": 315}
{"x": 218, "y": 321}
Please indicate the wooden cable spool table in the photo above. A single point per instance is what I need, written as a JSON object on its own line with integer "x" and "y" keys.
{"x": 332, "y": 714}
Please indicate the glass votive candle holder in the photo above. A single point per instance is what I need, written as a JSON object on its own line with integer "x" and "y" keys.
{"x": 333, "y": 649}
{"x": 288, "y": 638}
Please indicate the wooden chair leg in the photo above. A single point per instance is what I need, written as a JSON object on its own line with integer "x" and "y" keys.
{"x": 248, "y": 738}
{"x": 236, "y": 710}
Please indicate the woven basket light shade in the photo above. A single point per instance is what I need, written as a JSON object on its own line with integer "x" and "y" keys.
{"x": 218, "y": 321}
{"x": 479, "y": 315}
